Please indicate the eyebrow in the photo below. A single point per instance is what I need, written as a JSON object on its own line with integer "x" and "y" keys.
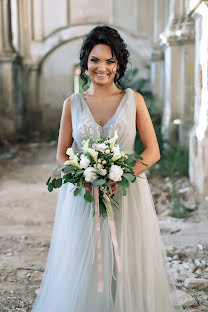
{"x": 106, "y": 60}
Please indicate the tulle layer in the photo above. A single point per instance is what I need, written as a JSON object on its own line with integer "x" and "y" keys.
{"x": 70, "y": 282}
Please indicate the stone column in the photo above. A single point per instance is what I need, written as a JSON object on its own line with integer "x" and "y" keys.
{"x": 11, "y": 105}
{"x": 186, "y": 35}
{"x": 172, "y": 81}
{"x": 31, "y": 67}
{"x": 157, "y": 58}
{"x": 198, "y": 143}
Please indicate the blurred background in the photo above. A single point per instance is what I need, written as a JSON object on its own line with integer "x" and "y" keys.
{"x": 39, "y": 69}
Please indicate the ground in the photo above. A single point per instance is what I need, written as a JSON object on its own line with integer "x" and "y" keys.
{"x": 27, "y": 214}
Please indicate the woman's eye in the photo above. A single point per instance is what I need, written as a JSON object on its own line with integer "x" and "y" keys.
{"x": 111, "y": 62}
{"x": 94, "y": 60}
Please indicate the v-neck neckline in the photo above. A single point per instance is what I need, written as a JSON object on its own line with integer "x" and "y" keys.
{"x": 113, "y": 116}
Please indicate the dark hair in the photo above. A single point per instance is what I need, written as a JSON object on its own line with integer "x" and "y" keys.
{"x": 104, "y": 35}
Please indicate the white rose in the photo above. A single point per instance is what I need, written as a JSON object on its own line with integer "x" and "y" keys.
{"x": 104, "y": 162}
{"x": 116, "y": 173}
{"x": 103, "y": 172}
{"x": 84, "y": 161}
{"x": 107, "y": 151}
{"x": 90, "y": 174}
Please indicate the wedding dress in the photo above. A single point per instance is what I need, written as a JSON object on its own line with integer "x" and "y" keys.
{"x": 70, "y": 279}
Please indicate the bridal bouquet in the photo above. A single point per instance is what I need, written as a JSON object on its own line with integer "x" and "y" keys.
{"x": 101, "y": 161}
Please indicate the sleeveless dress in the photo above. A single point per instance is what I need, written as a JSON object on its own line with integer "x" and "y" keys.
{"x": 70, "y": 279}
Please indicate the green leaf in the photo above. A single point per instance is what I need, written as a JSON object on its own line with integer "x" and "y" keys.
{"x": 138, "y": 156}
{"x": 144, "y": 163}
{"x": 132, "y": 163}
{"x": 77, "y": 191}
{"x": 82, "y": 192}
{"x": 88, "y": 197}
{"x": 122, "y": 190}
{"x": 68, "y": 169}
{"x": 48, "y": 181}
{"x": 109, "y": 186}
{"x": 50, "y": 187}
{"x": 122, "y": 147}
{"x": 58, "y": 182}
{"x": 78, "y": 174}
{"x": 124, "y": 182}
{"x": 131, "y": 157}
{"x": 98, "y": 182}
{"x": 106, "y": 207}
{"x": 54, "y": 182}
{"x": 129, "y": 176}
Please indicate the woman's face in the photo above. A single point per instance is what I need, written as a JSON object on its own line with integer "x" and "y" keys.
{"x": 102, "y": 66}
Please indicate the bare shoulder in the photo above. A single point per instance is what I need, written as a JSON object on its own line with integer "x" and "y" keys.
{"x": 139, "y": 100}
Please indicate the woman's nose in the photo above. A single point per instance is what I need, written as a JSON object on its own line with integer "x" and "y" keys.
{"x": 102, "y": 66}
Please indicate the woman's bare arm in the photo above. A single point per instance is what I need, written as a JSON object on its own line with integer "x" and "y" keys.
{"x": 151, "y": 153}
{"x": 65, "y": 138}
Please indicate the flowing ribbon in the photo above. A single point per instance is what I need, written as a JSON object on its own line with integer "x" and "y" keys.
{"x": 98, "y": 236}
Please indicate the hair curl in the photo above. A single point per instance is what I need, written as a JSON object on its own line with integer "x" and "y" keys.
{"x": 104, "y": 35}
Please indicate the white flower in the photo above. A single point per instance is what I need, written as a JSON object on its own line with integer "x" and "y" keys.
{"x": 103, "y": 172}
{"x": 85, "y": 144}
{"x": 116, "y": 173}
{"x": 73, "y": 162}
{"x": 104, "y": 162}
{"x": 90, "y": 174}
{"x": 84, "y": 161}
{"x": 93, "y": 153}
{"x": 70, "y": 152}
{"x": 116, "y": 153}
{"x": 100, "y": 147}
{"x": 107, "y": 151}
{"x": 112, "y": 141}
{"x": 99, "y": 166}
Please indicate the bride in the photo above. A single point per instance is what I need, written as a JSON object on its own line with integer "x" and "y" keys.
{"x": 70, "y": 279}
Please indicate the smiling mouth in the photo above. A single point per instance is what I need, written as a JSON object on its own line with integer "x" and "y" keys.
{"x": 101, "y": 75}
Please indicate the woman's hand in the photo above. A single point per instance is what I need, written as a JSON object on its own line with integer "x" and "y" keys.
{"x": 114, "y": 187}
{"x": 88, "y": 187}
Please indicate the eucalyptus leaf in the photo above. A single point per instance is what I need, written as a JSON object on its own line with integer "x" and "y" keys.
{"x": 98, "y": 182}
{"x": 82, "y": 192}
{"x": 122, "y": 147}
{"x": 122, "y": 190}
{"x": 138, "y": 156}
{"x": 77, "y": 191}
{"x": 68, "y": 169}
{"x": 88, "y": 197}
{"x": 54, "y": 183}
{"x": 50, "y": 187}
{"x": 132, "y": 163}
{"x": 58, "y": 182}
{"x": 48, "y": 181}
{"x": 129, "y": 176}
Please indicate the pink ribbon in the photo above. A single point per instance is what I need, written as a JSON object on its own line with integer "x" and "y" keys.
{"x": 98, "y": 236}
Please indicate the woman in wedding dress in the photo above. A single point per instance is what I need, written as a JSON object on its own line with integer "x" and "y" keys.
{"x": 70, "y": 280}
